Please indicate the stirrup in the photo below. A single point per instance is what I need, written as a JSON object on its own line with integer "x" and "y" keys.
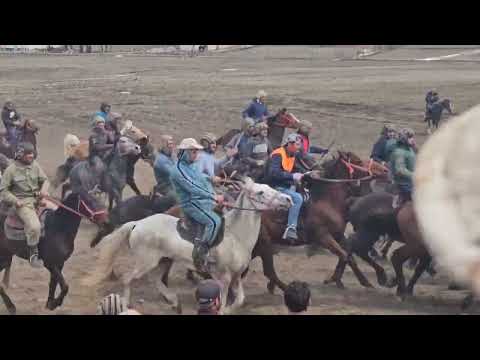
{"x": 287, "y": 229}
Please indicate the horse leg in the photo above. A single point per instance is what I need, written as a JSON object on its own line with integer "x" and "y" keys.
{"x": 133, "y": 186}
{"x": 57, "y": 272}
{"x": 268, "y": 265}
{"x": 165, "y": 264}
{"x": 8, "y": 302}
{"x": 237, "y": 288}
{"x": 386, "y": 248}
{"x": 225, "y": 279}
{"x": 168, "y": 295}
{"x": 399, "y": 256}
{"x": 468, "y": 301}
{"x": 52, "y": 286}
{"x": 6, "y": 275}
{"x": 419, "y": 270}
{"x": 379, "y": 270}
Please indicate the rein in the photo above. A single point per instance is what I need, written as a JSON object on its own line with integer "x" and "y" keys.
{"x": 73, "y": 211}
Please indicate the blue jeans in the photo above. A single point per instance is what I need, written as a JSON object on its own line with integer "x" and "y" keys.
{"x": 205, "y": 217}
{"x": 294, "y": 211}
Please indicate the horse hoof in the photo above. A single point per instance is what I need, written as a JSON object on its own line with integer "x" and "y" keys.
{"x": 178, "y": 309}
{"x": 340, "y": 285}
{"x": 12, "y": 310}
{"x": 467, "y": 302}
{"x": 50, "y": 305}
{"x": 382, "y": 279}
{"x": 391, "y": 283}
{"x": 271, "y": 288}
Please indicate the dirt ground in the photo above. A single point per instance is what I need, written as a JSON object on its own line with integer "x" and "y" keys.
{"x": 348, "y": 101}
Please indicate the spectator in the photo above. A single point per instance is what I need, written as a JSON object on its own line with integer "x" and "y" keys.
{"x": 297, "y": 298}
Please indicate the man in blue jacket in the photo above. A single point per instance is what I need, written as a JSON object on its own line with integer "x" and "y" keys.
{"x": 379, "y": 151}
{"x": 163, "y": 165}
{"x": 257, "y": 110}
{"x": 197, "y": 199}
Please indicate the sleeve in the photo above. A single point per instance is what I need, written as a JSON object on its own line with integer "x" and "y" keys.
{"x": 232, "y": 143}
{"x": 377, "y": 152}
{"x": 5, "y": 185}
{"x": 266, "y": 113}
{"x": 219, "y": 164}
{"x": 277, "y": 171}
{"x": 190, "y": 186}
{"x": 6, "y": 118}
{"x": 400, "y": 166}
{"x": 317, "y": 150}
{"x": 247, "y": 111}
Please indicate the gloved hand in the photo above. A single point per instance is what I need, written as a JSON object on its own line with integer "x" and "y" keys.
{"x": 297, "y": 177}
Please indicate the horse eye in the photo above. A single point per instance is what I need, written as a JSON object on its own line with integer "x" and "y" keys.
{"x": 260, "y": 193}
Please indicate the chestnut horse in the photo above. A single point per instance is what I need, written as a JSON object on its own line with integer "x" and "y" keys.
{"x": 323, "y": 219}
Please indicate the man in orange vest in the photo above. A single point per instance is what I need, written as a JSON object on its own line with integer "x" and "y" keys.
{"x": 284, "y": 179}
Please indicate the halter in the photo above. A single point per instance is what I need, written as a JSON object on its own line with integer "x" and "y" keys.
{"x": 77, "y": 212}
{"x": 253, "y": 200}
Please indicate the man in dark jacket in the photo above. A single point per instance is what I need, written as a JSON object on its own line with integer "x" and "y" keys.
{"x": 430, "y": 99}
{"x": 283, "y": 179}
{"x": 11, "y": 119}
{"x": 100, "y": 142}
{"x": 379, "y": 151}
{"x": 257, "y": 109}
{"x": 208, "y": 297}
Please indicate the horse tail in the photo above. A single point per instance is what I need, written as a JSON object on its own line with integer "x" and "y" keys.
{"x": 69, "y": 141}
{"x": 113, "y": 243}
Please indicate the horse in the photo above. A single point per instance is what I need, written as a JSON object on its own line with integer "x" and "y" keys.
{"x": 133, "y": 209}
{"x": 323, "y": 218}
{"x": 56, "y": 243}
{"x": 434, "y": 116}
{"x": 111, "y": 177}
{"x": 276, "y": 131}
{"x": 154, "y": 242}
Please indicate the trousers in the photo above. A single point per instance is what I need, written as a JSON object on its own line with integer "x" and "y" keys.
{"x": 31, "y": 224}
{"x": 206, "y": 217}
{"x": 294, "y": 211}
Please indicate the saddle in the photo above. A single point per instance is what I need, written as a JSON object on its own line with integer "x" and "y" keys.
{"x": 282, "y": 218}
{"x": 188, "y": 229}
{"x": 14, "y": 227}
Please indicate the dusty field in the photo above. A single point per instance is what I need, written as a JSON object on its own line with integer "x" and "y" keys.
{"x": 347, "y": 101}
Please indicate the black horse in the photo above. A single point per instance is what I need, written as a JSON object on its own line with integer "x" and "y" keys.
{"x": 133, "y": 209}
{"x": 56, "y": 244}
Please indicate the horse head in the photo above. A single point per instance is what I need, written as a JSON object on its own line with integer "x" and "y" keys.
{"x": 447, "y": 104}
{"x": 126, "y": 146}
{"x": 147, "y": 150}
{"x": 86, "y": 204}
{"x": 263, "y": 197}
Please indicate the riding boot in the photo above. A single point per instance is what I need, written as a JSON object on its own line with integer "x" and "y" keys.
{"x": 34, "y": 257}
{"x": 291, "y": 235}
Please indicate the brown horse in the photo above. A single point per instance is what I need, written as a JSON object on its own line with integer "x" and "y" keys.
{"x": 373, "y": 216}
{"x": 323, "y": 219}
{"x": 277, "y": 125}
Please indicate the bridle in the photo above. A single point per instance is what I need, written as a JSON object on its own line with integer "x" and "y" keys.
{"x": 90, "y": 217}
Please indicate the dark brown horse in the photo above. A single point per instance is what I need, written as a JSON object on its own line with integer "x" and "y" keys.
{"x": 323, "y": 219}
{"x": 373, "y": 216}
{"x": 56, "y": 244}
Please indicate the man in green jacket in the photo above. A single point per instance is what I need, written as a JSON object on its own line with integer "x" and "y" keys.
{"x": 402, "y": 163}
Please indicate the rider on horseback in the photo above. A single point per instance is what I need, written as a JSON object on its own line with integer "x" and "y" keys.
{"x": 430, "y": 99}
{"x": 207, "y": 163}
{"x": 22, "y": 183}
{"x": 100, "y": 142}
{"x": 11, "y": 119}
{"x": 258, "y": 150}
{"x": 197, "y": 199}
{"x": 163, "y": 166}
{"x": 383, "y": 147}
{"x": 103, "y": 113}
{"x": 303, "y": 133}
{"x": 257, "y": 109}
{"x": 403, "y": 165}
{"x": 282, "y": 179}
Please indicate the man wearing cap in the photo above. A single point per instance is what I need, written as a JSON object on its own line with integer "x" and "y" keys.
{"x": 100, "y": 142}
{"x": 257, "y": 152}
{"x": 209, "y": 297}
{"x": 387, "y": 137}
{"x": 163, "y": 166}
{"x": 22, "y": 184}
{"x": 303, "y": 133}
{"x": 430, "y": 99}
{"x": 283, "y": 179}
{"x": 297, "y": 298}
{"x": 207, "y": 163}
{"x": 257, "y": 109}
{"x": 103, "y": 113}
{"x": 11, "y": 119}
{"x": 402, "y": 163}
{"x": 197, "y": 199}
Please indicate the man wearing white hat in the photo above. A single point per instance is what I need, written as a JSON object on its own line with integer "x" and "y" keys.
{"x": 257, "y": 110}
{"x": 197, "y": 199}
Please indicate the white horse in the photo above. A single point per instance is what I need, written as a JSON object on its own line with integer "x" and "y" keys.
{"x": 155, "y": 238}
